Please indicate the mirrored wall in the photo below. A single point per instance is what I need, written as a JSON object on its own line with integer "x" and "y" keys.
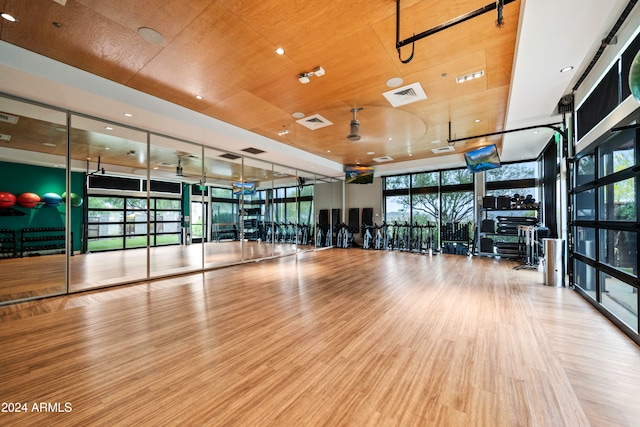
{"x": 105, "y": 204}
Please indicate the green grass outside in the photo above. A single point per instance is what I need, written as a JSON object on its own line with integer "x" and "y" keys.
{"x": 132, "y": 242}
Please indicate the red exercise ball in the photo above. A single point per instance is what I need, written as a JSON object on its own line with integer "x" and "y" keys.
{"x": 6, "y": 200}
{"x": 28, "y": 200}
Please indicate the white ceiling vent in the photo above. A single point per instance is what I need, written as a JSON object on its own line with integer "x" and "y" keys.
{"x": 440, "y": 150}
{"x": 314, "y": 122}
{"x": 382, "y": 159}
{"x": 7, "y": 118}
{"x": 4, "y": 137}
{"x": 405, "y": 95}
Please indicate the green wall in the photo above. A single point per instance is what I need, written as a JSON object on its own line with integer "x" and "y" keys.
{"x": 19, "y": 178}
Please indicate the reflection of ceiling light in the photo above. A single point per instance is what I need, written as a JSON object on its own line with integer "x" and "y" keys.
{"x": 471, "y": 76}
{"x": 8, "y": 17}
{"x": 48, "y": 144}
{"x": 567, "y": 69}
{"x": 108, "y": 128}
{"x": 198, "y": 96}
{"x": 304, "y": 77}
{"x": 280, "y": 51}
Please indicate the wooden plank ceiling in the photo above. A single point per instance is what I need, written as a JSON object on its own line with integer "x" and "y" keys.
{"x": 224, "y": 50}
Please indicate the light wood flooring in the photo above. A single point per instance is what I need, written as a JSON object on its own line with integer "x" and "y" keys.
{"x": 334, "y": 337}
{"x": 38, "y": 276}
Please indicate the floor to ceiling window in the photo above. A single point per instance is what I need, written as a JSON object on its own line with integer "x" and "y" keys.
{"x": 605, "y": 218}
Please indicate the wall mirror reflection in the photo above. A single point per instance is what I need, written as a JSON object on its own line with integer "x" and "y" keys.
{"x": 33, "y": 200}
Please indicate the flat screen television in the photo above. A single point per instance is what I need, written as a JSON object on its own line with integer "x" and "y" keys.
{"x": 358, "y": 175}
{"x": 246, "y": 188}
{"x": 483, "y": 158}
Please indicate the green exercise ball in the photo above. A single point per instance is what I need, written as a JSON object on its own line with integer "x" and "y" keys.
{"x": 75, "y": 200}
{"x": 634, "y": 77}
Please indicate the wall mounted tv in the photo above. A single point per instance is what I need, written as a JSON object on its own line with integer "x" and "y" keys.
{"x": 358, "y": 175}
{"x": 246, "y": 188}
{"x": 483, "y": 158}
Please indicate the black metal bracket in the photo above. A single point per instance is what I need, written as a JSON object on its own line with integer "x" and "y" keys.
{"x": 499, "y": 4}
{"x": 553, "y": 126}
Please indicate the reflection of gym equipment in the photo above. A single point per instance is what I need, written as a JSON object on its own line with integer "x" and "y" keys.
{"x": 368, "y": 237}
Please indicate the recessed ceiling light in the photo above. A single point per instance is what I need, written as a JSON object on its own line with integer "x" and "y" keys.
{"x": 436, "y": 141}
{"x": 371, "y": 153}
{"x": 56, "y": 24}
{"x": 477, "y": 120}
{"x": 48, "y": 144}
{"x": 328, "y": 151}
{"x": 8, "y": 17}
{"x": 410, "y": 155}
{"x": 567, "y": 69}
{"x": 283, "y": 132}
{"x": 444, "y": 74}
{"x": 280, "y": 51}
{"x": 467, "y": 77}
{"x": 151, "y": 35}
{"x": 298, "y": 115}
{"x": 107, "y": 148}
{"x": 108, "y": 128}
{"x": 128, "y": 114}
{"x": 198, "y": 96}
{"x": 395, "y": 82}
{"x": 390, "y": 139}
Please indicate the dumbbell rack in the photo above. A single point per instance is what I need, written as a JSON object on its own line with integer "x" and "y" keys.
{"x": 42, "y": 239}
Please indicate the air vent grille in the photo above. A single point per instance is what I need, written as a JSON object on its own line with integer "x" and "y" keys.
{"x": 252, "y": 150}
{"x": 405, "y": 95}
{"x": 230, "y": 156}
{"x": 314, "y": 122}
{"x": 8, "y": 118}
{"x": 4, "y": 137}
{"x": 382, "y": 159}
{"x": 440, "y": 150}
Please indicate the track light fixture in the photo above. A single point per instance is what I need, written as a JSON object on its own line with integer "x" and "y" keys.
{"x": 304, "y": 77}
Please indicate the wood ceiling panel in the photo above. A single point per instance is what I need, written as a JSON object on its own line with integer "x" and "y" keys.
{"x": 342, "y": 80}
{"x": 168, "y": 17}
{"x": 85, "y": 39}
{"x": 224, "y": 51}
{"x": 305, "y": 28}
{"x": 247, "y": 111}
{"x": 216, "y": 56}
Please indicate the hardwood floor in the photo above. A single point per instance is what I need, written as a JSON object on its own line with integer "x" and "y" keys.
{"x": 44, "y": 275}
{"x": 335, "y": 337}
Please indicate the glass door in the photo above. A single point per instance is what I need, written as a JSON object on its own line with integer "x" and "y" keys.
{"x": 199, "y": 221}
